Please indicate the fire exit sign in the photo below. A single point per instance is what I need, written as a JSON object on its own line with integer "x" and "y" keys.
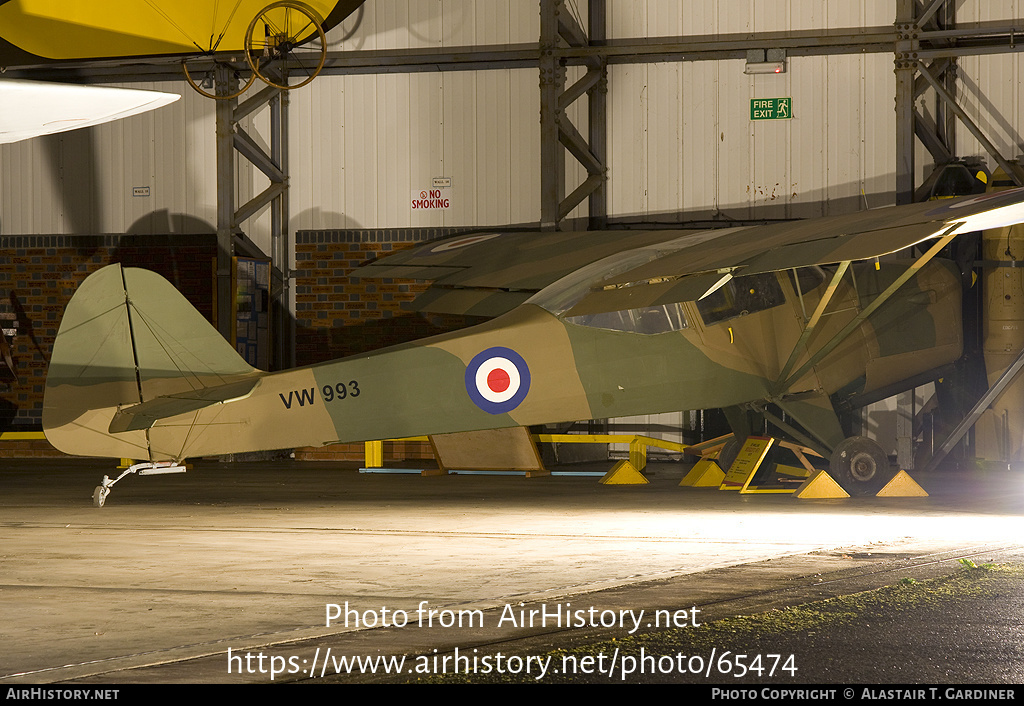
{"x": 771, "y": 108}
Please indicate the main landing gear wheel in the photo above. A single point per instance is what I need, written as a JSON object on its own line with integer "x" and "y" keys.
{"x": 285, "y": 44}
{"x": 200, "y": 73}
{"x": 860, "y": 465}
{"x": 729, "y": 453}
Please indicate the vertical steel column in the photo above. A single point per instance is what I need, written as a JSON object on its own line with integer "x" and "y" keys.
{"x": 231, "y": 138}
{"x": 560, "y": 28}
{"x": 552, "y": 83}
{"x": 945, "y": 119}
{"x": 276, "y": 236}
{"x": 286, "y": 304}
{"x": 905, "y": 413}
{"x": 283, "y": 321}
{"x": 597, "y": 106}
{"x": 906, "y": 68}
{"x": 276, "y": 231}
{"x": 225, "y": 84}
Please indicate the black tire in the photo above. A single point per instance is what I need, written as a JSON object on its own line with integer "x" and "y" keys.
{"x": 99, "y": 496}
{"x": 860, "y": 466}
{"x": 729, "y": 453}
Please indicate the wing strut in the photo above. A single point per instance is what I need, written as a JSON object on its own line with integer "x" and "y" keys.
{"x": 975, "y": 414}
{"x": 813, "y": 322}
{"x": 943, "y": 240}
{"x": 810, "y": 442}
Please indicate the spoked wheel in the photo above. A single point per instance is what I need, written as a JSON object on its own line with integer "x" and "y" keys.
{"x": 860, "y": 466}
{"x": 285, "y": 44}
{"x": 201, "y": 72}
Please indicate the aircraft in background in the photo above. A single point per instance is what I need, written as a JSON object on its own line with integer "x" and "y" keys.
{"x": 283, "y": 43}
{"x": 40, "y": 32}
{"x": 60, "y": 33}
{"x": 595, "y": 325}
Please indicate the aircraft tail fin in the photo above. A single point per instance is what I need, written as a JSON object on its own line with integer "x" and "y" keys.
{"x": 128, "y": 337}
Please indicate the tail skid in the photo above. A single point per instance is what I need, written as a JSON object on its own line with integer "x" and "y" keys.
{"x": 100, "y": 493}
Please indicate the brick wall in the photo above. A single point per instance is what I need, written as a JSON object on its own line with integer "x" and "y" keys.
{"x": 338, "y": 315}
{"x": 38, "y": 275}
{"x": 28, "y": 448}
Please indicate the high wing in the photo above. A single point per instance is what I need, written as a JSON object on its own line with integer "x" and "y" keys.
{"x": 33, "y": 108}
{"x": 34, "y": 33}
{"x": 491, "y": 273}
{"x": 487, "y": 274}
{"x": 136, "y": 372}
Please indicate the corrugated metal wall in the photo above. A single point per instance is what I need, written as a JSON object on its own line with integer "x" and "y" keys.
{"x": 680, "y": 135}
{"x": 990, "y": 87}
{"x": 685, "y": 142}
{"x": 81, "y": 181}
{"x": 361, "y": 144}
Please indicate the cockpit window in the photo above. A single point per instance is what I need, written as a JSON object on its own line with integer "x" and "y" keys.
{"x": 648, "y": 320}
{"x": 741, "y": 296}
{"x": 560, "y": 296}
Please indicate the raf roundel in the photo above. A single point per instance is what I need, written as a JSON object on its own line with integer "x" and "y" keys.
{"x": 497, "y": 380}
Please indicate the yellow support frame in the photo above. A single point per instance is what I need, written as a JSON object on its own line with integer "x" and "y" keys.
{"x": 642, "y": 442}
{"x": 22, "y": 436}
{"x": 624, "y": 472}
{"x": 373, "y": 451}
{"x": 638, "y": 444}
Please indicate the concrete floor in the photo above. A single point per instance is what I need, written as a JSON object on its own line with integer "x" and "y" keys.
{"x": 157, "y": 585}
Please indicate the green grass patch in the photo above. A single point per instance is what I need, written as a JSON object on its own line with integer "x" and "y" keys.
{"x": 763, "y": 633}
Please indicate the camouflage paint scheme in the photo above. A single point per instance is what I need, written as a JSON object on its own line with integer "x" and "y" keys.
{"x": 136, "y": 372}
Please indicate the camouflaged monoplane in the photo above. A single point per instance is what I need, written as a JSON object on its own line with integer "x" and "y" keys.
{"x": 587, "y": 325}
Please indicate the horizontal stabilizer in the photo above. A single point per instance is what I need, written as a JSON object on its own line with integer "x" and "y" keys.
{"x": 146, "y": 414}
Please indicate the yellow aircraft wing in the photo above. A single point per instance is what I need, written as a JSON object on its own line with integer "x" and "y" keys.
{"x": 69, "y": 30}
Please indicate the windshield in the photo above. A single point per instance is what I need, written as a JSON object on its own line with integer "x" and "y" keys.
{"x": 558, "y": 297}
{"x": 561, "y": 295}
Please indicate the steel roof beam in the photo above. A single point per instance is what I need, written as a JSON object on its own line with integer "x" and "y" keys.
{"x": 982, "y": 38}
{"x": 950, "y": 101}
